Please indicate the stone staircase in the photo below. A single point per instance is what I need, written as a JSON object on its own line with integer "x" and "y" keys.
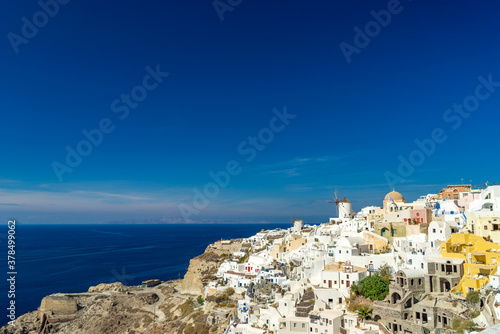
{"x": 305, "y": 306}
{"x": 380, "y": 325}
{"x": 303, "y": 309}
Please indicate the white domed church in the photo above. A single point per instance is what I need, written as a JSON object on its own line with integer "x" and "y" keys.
{"x": 393, "y": 202}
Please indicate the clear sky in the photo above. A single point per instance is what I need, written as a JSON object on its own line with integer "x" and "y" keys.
{"x": 180, "y": 89}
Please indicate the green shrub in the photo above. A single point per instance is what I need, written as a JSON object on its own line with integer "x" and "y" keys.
{"x": 373, "y": 287}
{"x": 461, "y": 326}
{"x": 148, "y": 320}
{"x": 475, "y": 314}
{"x": 365, "y": 312}
{"x": 385, "y": 271}
{"x": 473, "y": 297}
{"x": 186, "y": 308}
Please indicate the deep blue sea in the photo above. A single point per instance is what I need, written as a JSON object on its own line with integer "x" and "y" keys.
{"x": 71, "y": 258}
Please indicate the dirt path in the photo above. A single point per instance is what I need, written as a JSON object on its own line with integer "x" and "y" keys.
{"x": 154, "y": 308}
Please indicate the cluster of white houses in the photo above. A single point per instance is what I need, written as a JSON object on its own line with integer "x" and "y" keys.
{"x": 440, "y": 247}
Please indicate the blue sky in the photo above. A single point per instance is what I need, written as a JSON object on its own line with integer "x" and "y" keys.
{"x": 352, "y": 120}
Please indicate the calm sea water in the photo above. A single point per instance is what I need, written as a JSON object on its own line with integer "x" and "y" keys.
{"x": 71, "y": 258}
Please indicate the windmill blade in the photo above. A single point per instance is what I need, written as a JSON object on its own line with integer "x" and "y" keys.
{"x": 337, "y": 201}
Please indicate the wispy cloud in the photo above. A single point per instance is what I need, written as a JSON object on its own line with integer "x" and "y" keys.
{"x": 296, "y": 166}
{"x": 89, "y": 198}
{"x": 98, "y": 194}
{"x": 286, "y": 172}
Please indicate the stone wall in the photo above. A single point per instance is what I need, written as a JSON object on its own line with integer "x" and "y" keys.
{"x": 58, "y": 305}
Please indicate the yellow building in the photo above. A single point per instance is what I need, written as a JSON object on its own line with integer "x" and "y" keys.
{"x": 485, "y": 224}
{"x": 481, "y": 259}
{"x": 293, "y": 242}
{"x": 376, "y": 243}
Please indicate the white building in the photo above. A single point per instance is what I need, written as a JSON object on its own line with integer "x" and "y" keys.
{"x": 345, "y": 209}
{"x": 341, "y": 276}
{"x": 327, "y": 321}
{"x": 440, "y": 231}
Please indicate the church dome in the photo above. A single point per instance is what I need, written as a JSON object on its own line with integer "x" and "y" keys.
{"x": 397, "y": 197}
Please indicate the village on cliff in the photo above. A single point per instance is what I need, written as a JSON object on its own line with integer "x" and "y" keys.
{"x": 426, "y": 267}
{"x": 430, "y": 266}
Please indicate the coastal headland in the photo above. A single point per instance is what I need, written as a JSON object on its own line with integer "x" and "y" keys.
{"x": 169, "y": 307}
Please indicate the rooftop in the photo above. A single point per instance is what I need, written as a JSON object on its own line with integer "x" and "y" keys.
{"x": 338, "y": 266}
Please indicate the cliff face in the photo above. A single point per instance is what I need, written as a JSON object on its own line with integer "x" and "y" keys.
{"x": 129, "y": 311}
{"x": 118, "y": 309}
{"x": 202, "y": 267}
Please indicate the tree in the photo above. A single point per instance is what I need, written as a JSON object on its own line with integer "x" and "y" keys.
{"x": 229, "y": 291}
{"x": 200, "y": 300}
{"x": 365, "y": 312}
{"x": 473, "y": 297}
{"x": 243, "y": 258}
{"x": 461, "y": 326}
{"x": 356, "y": 289}
{"x": 374, "y": 287}
{"x": 385, "y": 272}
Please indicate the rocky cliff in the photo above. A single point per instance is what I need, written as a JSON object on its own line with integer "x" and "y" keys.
{"x": 202, "y": 268}
{"x": 170, "y": 307}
